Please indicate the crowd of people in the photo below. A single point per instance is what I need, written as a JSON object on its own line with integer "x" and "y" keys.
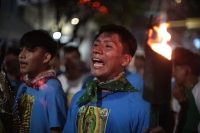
{"x": 108, "y": 99}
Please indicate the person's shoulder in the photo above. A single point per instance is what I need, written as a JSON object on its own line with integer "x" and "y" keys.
{"x": 89, "y": 76}
{"x": 196, "y": 88}
{"x": 53, "y": 81}
{"x": 139, "y": 105}
{"x": 198, "y": 84}
{"x": 77, "y": 96}
{"x": 135, "y": 80}
{"x": 52, "y": 84}
{"x": 86, "y": 76}
{"x": 134, "y": 102}
{"x": 137, "y": 99}
{"x": 20, "y": 89}
{"x": 61, "y": 76}
{"x": 22, "y": 85}
{"x": 134, "y": 97}
{"x": 133, "y": 76}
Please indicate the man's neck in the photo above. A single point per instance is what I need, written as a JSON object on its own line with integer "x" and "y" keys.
{"x": 44, "y": 69}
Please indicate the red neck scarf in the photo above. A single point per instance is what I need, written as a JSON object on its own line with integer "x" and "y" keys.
{"x": 41, "y": 79}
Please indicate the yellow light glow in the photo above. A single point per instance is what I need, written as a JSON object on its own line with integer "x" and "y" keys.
{"x": 178, "y": 1}
{"x": 158, "y": 42}
{"x": 74, "y": 21}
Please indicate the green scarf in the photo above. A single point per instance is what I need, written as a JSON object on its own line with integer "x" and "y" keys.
{"x": 119, "y": 83}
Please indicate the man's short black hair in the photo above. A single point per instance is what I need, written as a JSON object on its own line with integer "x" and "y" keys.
{"x": 39, "y": 38}
{"x": 182, "y": 56}
{"x": 126, "y": 38}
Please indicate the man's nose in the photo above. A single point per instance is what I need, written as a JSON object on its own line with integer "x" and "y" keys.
{"x": 21, "y": 55}
{"x": 98, "y": 49}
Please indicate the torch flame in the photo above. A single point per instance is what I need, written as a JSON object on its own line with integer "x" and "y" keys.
{"x": 159, "y": 44}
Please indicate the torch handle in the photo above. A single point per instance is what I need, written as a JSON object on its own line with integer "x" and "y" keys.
{"x": 154, "y": 116}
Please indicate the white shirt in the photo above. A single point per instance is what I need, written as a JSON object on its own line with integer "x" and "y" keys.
{"x": 196, "y": 94}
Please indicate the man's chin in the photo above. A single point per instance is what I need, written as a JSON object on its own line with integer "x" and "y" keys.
{"x": 96, "y": 73}
{"x": 23, "y": 71}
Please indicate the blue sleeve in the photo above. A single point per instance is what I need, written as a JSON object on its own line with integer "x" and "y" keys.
{"x": 143, "y": 122}
{"x": 57, "y": 106}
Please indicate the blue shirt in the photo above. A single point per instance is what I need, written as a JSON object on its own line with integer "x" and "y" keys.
{"x": 41, "y": 109}
{"x": 121, "y": 112}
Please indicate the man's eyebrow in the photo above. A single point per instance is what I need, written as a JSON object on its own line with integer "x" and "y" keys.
{"x": 97, "y": 40}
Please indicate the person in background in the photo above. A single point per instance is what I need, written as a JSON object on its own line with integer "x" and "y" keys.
{"x": 72, "y": 79}
{"x": 55, "y": 62}
{"x": 40, "y": 105}
{"x": 118, "y": 107}
{"x": 11, "y": 66}
{"x": 186, "y": 90}
{"x": 139, "y": 64}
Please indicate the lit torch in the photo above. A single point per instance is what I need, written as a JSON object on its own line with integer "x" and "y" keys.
{"x": 159, "y": 44}
{"x": 157, "y": 70}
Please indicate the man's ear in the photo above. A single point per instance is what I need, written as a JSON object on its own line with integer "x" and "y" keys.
{"x": 126, "y": 59}
{"x": 187, "y": 70}
{"x": 47, "y": 57}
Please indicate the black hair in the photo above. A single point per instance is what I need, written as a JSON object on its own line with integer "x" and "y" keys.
{"x": 183, "y": 56}
{"x": 69, "y": 49}
{"x": 13, "y": 51}
{"x": 39, "y": 38}
{"x": 126, "y": 38}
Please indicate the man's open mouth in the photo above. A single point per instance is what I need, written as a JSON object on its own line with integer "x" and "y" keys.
{"x": 97, "y": 62}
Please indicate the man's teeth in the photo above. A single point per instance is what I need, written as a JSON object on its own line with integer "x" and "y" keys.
{"x": 98, "y": 64}
{"x": 95, "y": 59}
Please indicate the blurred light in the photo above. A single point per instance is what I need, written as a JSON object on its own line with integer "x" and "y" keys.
{"x": 74, "y": 21}
{"x": 95, "y": 5}
{"x": 29, "y": 2}
{"x": 54, "y": 28}
{"x": 196, "y": 42}
{"x": 190, "y": 23}
{"x": 75, "y": 42}
{"x": 56, "y": 35}
{"x": 67, "y": 29}
{"x": 65, "y": 39}
{"x": 83, "y": 1}
{"x": 89, "y": 4}
{"x": 178, "y": 1}
{"x": 103, "y": 10}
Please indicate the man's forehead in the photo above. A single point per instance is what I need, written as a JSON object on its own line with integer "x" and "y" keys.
{"x": 108, "y": 36}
